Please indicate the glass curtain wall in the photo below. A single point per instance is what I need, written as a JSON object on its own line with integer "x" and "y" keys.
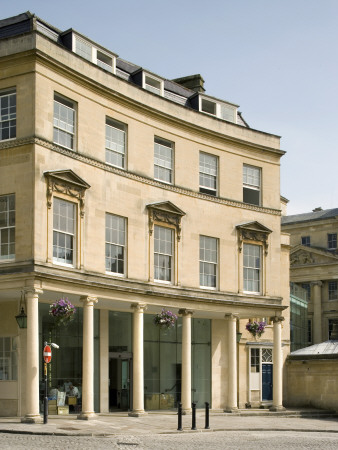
{"x": 163, "y": 363}
{"x": 65, "y": 368}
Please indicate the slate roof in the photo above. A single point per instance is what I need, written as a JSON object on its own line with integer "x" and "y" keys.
{"x": 324, "y": 350}
{"x": 311, "y": 216}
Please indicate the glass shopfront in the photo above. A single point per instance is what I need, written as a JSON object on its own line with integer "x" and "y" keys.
{"x": 163, "y": 363}
{"x": 65, "y": 369}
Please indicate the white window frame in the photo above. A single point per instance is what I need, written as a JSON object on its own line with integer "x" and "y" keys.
{"x": 61, "y": 127}
{"x": 252, "y": 268}
{"x": 114, "y": 147}
{"x": 222, "y": 110}
{"x": 251, "y": 184}
{"x": 58, "y": 231}
{"x": 206, "y": 260}
{"x": 170, "y": 255}
{"x": 9, "y": 228}
{"x": 161, "y": 163}
{"x": 306, "y": 241}
{"x": 203, "y": 189}
{"x": 152, "y": 84}
{"x": 119, "y": 242}
{"x": 8, "y": 119}
{"x": 8, "y": 359}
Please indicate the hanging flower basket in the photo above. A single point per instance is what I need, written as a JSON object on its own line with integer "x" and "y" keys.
{"x": 62, "y": 311}
{"x": 256, "y": 328}
{"x": 165, "y": 319}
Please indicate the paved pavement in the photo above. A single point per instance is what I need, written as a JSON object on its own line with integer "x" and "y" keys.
{"x": 166, "y": 423}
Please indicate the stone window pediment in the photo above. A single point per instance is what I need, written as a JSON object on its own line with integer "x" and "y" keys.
{"x": 66, "y": 182}
{"x": 167, "y": 213}
{"x": 301, "y": 255}
{"x": 253, "y": 231}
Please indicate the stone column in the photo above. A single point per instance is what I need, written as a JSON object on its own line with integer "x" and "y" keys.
{"x": 138, "y": 361}
{"x": 232, "y": 366}
{"x": 186, "y": 361}
{"x": 317, "y": 312}
{"x": 277, "y": 393}
{"x": 32, "y": 352}
{"x": 104, "y": 361}
{"x": 88, "y": 359}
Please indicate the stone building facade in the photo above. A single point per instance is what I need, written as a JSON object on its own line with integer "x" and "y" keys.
{"x": 126, "y": 193}
{"x": 314, "y": 266}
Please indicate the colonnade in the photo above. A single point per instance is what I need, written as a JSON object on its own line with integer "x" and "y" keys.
{"x": 32, "y": 371}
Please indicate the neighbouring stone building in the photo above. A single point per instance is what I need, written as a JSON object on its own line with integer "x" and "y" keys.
{"x": 314, "y": 267}
{"x": 126, "y": 193}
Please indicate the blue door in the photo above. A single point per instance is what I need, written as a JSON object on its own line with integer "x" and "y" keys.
{"x": 267, "y": 382}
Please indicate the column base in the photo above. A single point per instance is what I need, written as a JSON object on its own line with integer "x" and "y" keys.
{"x": 137, "y": 413}
{"x": 186, "y": 412}
{"x": 231, "y": 409}
{"x": 32, "y": 418}
{"x": 84, "y": 415}
{"x": 277, "y": 408}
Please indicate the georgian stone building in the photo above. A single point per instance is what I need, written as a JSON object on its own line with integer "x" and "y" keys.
{"x": 126, "y": 193}
{"x": 314, "y": 266}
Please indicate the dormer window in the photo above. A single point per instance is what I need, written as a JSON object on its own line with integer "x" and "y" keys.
{"x": 89, "y": 50}
{"x": 214, "y": 107}
{"x": 152, "y": 84}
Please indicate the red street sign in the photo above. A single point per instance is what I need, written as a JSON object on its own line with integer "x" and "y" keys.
{"x": 47, "y": 354}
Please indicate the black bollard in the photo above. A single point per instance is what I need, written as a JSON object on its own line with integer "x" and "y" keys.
{"x": 193, "y": 426}
{"x": 45, "y": 400}
{"x": 207, "y": 427}
{"x": 179, "y": 415}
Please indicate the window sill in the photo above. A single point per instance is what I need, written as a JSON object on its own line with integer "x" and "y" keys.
{"x": 170, "y": 283}
{"x": 113, "y": 274}
{"x": 63, "y": 264}
{"x": 165, "y": 182}
{"x": 208, "y": 288}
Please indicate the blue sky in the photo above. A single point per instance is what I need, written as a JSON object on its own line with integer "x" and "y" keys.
{"x": 277, "y": 59}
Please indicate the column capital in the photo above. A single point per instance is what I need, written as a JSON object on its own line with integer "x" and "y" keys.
{"x": 277, "y": 319}
{"x": 316, "y": 283}
{"x": 231, "y": 316}
{"x": 88, "y": 300}
{"x": 141, "y": 307}
{"x": 185, "y": 312}
{"x": 32, "y": 290}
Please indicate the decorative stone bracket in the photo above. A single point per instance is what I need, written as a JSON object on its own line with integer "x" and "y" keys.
{"x": 253, "y": 231}
{"x": 68, "y": 183}
{"x": 165, "y": 212}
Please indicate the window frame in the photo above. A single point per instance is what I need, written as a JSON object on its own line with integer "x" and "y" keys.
{"x": 330, "y": 324}
{"x": 171, "y": 255}
{"x": 8, "y": 213}
{"x": 146, "y": 77}
{"x": 250, "y": 186}
{"x": 332, "y": 290}
{"x": 203, "y": 189}
{"x": 69, "y": 105}
{"x": 332, "y": 238}
{"x": 207, "y": 263}
{"x": 163, "y": 143}
{"x": 306, "y": 241}
{"x": 8, "y": 353}
{"x": 123, "y": 128}
{"x": 9, "y": 93}
{"x": 59, "y": 232}
{"x": 307, "y": 288}
{"x": 246, "y": 268}
{"x": 111, "y": 244}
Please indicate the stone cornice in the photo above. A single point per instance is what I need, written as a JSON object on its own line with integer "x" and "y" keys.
{"x": 142, "y": 179}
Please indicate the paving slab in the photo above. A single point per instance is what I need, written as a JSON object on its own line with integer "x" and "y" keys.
{"x": 166, "y": 423}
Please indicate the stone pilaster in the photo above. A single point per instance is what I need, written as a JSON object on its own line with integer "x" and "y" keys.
{"x": 88, "y": 359}
{"x": 317, "y": 312}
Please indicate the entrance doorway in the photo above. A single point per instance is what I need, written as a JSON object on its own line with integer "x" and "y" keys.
{"x": 267, "y": 382}
{"x": 120, "y": 384}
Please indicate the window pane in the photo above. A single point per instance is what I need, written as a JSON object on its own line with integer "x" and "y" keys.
{"x": 7, "y": 227}
{"x": 64, "y": 122}
{"x": 251, "y": 185}
{"x": 208, "y": 174}
{"x": 64, "y": 231}
{"x": 7, "y": 114}
{"x": 163, "y": 253}
{"x": 251, "y": 267}
{"x": 115, "y": 143}
{"x": 115, "y": 243}
{"x": 163, "y": 160}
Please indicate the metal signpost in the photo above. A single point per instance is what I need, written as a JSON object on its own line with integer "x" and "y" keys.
{"x": 47, "y": 356}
